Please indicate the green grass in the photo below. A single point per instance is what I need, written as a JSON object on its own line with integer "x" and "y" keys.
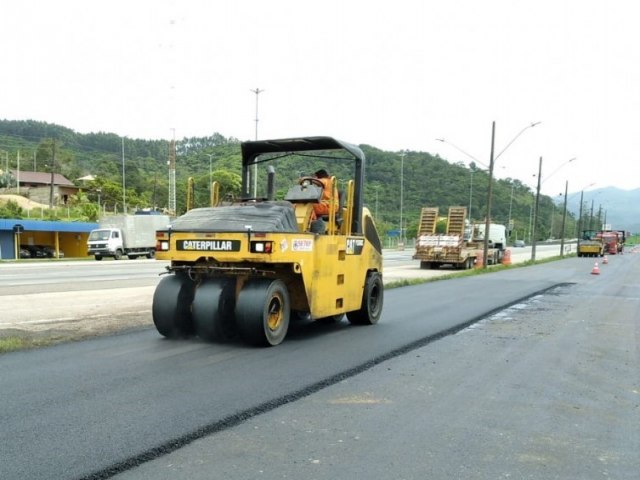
{"x": 15, "y": 343}
{"x": 26, "y": 341}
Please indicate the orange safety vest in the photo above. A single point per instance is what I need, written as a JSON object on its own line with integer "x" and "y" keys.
{"x": 322, "y": 208}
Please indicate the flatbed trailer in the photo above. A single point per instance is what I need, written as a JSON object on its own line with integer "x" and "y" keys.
{"x": 455, "y": 248}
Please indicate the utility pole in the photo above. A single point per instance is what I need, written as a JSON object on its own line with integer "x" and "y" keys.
{"x": 579, "y": 232}
{"x": 600, "y": 227}
{"x": 535, "y": 214}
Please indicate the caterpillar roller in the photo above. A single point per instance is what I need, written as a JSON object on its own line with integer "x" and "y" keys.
{"x": 246, "y": 268}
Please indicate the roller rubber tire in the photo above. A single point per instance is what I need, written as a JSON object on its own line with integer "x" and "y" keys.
{"x": 372, "y": 302}
{"x": 263, "y": 312}
{"x": 171, "y": 308}
{"x": 212, "y": 310}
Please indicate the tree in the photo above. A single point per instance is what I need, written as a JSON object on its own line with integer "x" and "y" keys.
{"x": 7, "y": 180}
{"x": 11, "y": 209}
{"x": 230, "y": 183}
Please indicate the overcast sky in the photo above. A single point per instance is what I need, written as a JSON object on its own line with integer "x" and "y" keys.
{"x": 394, "y": 75}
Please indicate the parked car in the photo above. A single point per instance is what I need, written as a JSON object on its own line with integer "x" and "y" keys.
{"x": 34, "y": 251}
{"x": 24, "y": 253}
{"x": 519, "y": 243}
{"x": 49, "y": 251}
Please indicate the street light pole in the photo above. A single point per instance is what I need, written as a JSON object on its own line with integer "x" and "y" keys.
{"x": 510, "y": 207}
{"x": 124, "y": 190}
{"x": 564, "y": 217}
{"x": 53, "y": 165}
{"x": 489, "y": 191}
{"x": 533, "y": 198}
{"x": 401, "y": 244}
{"x": 210, "y": 155}
{"x": 257, "y": 91}
{"x": 470, "y": 191}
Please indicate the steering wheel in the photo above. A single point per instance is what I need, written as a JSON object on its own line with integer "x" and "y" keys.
{"x": 313, "y": 180}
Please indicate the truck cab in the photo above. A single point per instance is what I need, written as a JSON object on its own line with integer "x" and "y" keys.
{"x": 497, "y": 235}
{"x": 105, "y": 242}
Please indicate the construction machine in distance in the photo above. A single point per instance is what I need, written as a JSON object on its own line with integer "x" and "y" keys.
{"x": 462, "y": 244}
{"x": 246, "y": 268}
{"x": 610, "y": 240}
{"x": 622, "y": 239}
{"x": 591, "y": 244}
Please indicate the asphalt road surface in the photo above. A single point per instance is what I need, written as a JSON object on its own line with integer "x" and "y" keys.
{"x": 523, "y": 373}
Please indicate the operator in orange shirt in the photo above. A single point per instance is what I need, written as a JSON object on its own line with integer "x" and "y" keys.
{"x": 321, "y": 208}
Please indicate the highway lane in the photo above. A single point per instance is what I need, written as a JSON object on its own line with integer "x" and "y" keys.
{"x": 55, "y": 293}
{"x": 43, "y": 294}
{"x": 20, "y": 276}
{"x": 46, "y": 276}
{"x": 106, "y": 404}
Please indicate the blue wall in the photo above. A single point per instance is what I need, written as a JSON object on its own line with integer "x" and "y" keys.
{"x": 64, "y": 229}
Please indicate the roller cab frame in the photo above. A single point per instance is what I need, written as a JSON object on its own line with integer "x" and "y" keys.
{"x": 246, "y": 268}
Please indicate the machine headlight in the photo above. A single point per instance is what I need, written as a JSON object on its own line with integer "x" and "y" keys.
{"x": 261, "y": 247}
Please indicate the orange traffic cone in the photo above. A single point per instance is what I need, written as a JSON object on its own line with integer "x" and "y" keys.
{"x": 605, "y": 260}
{"x": 506, "y": 259}
{"x": 596, "y": 270}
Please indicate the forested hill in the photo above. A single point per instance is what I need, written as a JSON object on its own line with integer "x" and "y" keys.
{"x": 426, "y": 180}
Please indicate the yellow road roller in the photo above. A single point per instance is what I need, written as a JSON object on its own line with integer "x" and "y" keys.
{"x": 244, "y": 268}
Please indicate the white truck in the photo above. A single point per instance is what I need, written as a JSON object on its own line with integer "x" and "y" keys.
{"x": 130, "y": 235}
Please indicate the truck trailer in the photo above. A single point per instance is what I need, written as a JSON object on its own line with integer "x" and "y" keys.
{"x": 462, "y": 244}
{"x": 130, "y": 235}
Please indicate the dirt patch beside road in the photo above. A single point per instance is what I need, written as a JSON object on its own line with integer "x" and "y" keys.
{"x": 64, "y": 330}
{"x": 53, "y": 317}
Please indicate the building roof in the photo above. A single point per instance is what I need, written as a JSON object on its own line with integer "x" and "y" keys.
{"x": 42, "y": 178}
{"x": 47, "y": 226}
